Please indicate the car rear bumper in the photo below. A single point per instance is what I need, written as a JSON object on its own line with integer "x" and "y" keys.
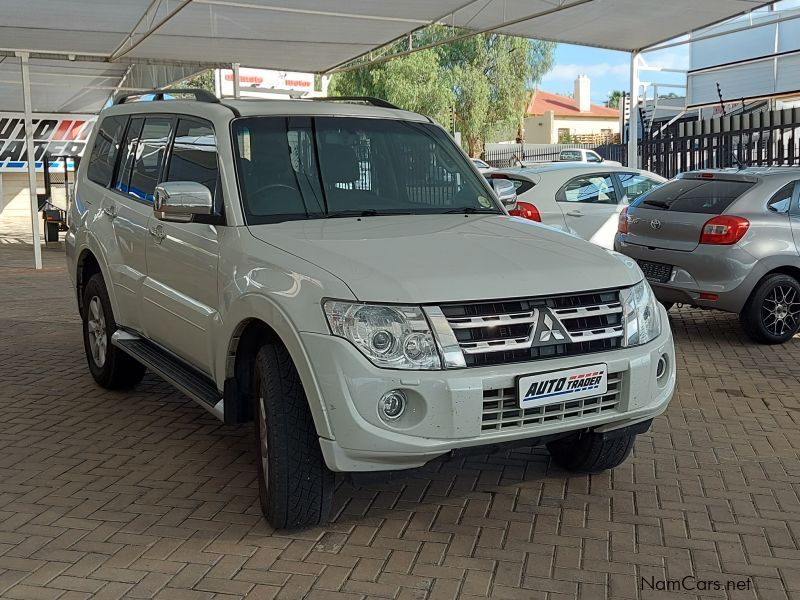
{"x": 729, "y": 272}
{"x": 456, "y": 409}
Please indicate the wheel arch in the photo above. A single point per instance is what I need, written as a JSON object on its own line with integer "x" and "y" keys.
{"x": 249, "y": 334}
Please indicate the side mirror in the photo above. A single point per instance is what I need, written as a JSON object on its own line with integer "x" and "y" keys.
{"x": 179, "y": 201}
{"x": 505, "y": 192}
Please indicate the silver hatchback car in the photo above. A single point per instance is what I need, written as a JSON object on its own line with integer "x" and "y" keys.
{"x": 724, "y": 239}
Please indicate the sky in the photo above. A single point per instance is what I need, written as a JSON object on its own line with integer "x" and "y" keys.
{"x": 609, "y": 70}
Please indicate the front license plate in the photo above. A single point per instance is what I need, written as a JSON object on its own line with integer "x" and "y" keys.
{"x": 562, "y": 386}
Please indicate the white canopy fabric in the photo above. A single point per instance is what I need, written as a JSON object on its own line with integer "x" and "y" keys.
{"x": 317, "y": 35}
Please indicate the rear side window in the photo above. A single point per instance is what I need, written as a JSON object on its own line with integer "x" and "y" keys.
{"x": 128, "y": 152}
{"x": 702, "y": 196}
{"x": 590, "y": 189}
{"x": 150, "y": 153}
{"x": 782, "y": 200}
{"x": 635, "y": 184}
{"x": 571, "y": 155}
{"x": 105, "y": 149}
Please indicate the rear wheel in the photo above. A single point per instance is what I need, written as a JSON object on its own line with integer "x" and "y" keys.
{"x": 772, "y": 314}
{"x": 590, "y": 453}
{"x": 110, "y": 366}
{"x": 295, "y": 485}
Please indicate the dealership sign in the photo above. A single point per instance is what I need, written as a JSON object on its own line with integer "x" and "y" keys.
{"x": 56, "y": 135}
{"x": 258, "y": 82}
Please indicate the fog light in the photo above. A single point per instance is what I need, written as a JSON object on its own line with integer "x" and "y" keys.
{"x": 391, "y": 405}
{"x": 661, "y": 367}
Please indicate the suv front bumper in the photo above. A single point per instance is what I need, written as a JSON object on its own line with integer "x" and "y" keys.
{"x": 448, "y": 409}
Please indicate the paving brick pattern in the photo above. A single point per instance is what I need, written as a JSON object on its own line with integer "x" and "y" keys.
{"x": 141, "y": 494}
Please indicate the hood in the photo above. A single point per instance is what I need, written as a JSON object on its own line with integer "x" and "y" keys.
{"x": 449, "y": 258}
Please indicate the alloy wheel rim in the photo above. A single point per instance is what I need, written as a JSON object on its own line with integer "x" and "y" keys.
{"x": 96, "y": 325}
{"x": 780, "y": 311}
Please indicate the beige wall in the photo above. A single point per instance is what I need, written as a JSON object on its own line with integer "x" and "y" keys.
{"x": 14, "y": 196}
{"x": 543, "y": 129}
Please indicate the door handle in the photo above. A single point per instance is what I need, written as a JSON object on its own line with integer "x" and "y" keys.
{"x": 575, "y": 213}
{"x": 158, "y": 232}
{"x": 110, "y": 211}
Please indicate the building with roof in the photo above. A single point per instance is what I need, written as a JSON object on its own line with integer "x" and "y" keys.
{"x": 553, "y": 118}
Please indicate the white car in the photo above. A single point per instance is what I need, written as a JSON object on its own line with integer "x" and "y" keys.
{"x": 585, "y": 156}
{"x": 340, "y": 276}
{"x": 483, "y": 166}
{"x": 578, "y": 198}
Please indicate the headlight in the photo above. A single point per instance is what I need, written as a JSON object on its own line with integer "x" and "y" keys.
{"x": 394, "y": 337}
{"x": 641, "y": 317}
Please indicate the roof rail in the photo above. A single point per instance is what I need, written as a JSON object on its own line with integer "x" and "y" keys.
{"x": 200, "y": 95}
{"x": 368, "y": 99}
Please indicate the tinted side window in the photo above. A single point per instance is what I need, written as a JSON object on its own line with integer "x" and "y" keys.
{"x": 635, "y": 185}
{"x": 194, "y": 154}
{"x": 591, "y": 189}
{"x": 104, "y": 151}
{"x": 570, "y": 155}
{"x": 150, "y": 153}
{"x": 782, "y": 199}
{"x": 128, "y": 152}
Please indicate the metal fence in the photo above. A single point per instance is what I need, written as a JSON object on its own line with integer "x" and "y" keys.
{"x": 769, "y": 138}
{"x": 755, "y": 139}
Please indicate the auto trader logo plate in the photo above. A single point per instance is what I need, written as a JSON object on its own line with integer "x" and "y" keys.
{"x": 562, "y": 386}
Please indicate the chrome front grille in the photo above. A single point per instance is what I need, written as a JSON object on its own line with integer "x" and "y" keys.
{"x": 501, "y": 410}
{"x": 508, "y": 331}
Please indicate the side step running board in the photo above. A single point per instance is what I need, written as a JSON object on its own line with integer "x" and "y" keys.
{"x": 194, "y": 384}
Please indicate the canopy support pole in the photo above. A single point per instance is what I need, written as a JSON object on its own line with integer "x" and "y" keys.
{"x": 237, "y": 88}
{"x": 633, "y": 119}
{"x": 31, "y": 152}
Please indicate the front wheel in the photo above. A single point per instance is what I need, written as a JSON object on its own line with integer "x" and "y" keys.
{"x": 295, "y": 485}
{"x": 772, "y": 314}
{"x": 590, "y": 453}
{"x": 110, "y": 366}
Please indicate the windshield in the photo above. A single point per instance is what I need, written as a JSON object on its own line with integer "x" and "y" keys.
{"x": 292, "y": 168}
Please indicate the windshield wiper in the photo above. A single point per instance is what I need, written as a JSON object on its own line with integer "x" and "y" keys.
{"x": 368, "y": 212}
{"x": 471, "y": 210}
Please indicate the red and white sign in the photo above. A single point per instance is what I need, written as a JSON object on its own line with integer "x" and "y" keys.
{"x": 57, "y": 135}
{"x": 259, "y": 82}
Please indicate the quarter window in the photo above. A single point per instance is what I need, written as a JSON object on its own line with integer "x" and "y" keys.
{"x": 592, "y": 189}
{"x": 104, "y": 151}
{"x": 150, "y": 153}
{"x": 782, "y": 200}
{"x": 634, "y": 185}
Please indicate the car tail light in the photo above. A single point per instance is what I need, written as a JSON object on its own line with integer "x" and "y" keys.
{"x": 622, "y": 226}
{"x": 724, "y": 230}
{"x": 526, "y": 210}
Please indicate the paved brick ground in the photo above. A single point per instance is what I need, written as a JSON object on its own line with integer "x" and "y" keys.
{"x": 142, "y": 494}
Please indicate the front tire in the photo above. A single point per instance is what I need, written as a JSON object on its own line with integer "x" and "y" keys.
{"x": 772, "y": 314}
{"x": 590, "y": 453}
{"x": 295, "y": 485}
{"x": 110, "y": 366}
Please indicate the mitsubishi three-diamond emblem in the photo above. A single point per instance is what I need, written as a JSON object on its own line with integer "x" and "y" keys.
{"x": 549, "y": 330}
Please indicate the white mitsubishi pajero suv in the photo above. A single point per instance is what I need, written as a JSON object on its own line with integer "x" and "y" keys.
{"x": 340, "y": 274}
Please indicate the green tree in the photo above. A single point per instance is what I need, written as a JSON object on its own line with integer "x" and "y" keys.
{"x": 484, "y": 78}
{"x": 203, "y": 80}
{"x": 614, "y": 98}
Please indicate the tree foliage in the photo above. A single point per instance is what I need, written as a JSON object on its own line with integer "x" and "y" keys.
{"x": 484, "y": 79}
{"x": 614, "y": 98}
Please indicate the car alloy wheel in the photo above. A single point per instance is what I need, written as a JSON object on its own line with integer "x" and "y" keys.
{"x": 780, "y": 310}
{"x": 96, "y": 324}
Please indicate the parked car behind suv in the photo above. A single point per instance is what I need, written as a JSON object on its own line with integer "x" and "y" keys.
{"x": 585, "y": 156}
{"x": 582, "y": 199}
{"x": 724, "y": 239}
{"x": 342, "y": 276}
